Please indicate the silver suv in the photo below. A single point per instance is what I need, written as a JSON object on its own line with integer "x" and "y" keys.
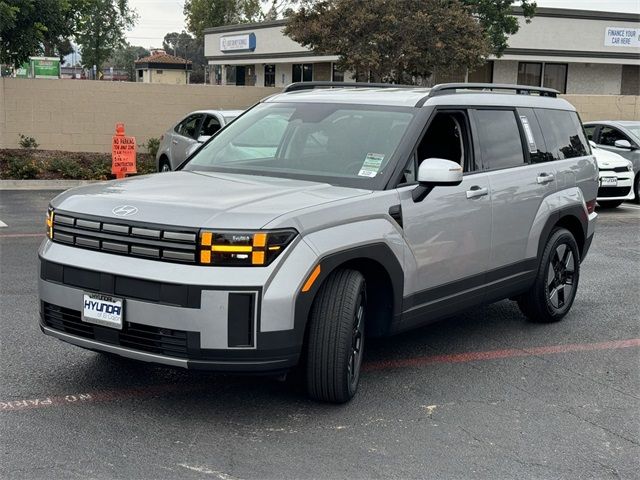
{"x": 321, "y": 217}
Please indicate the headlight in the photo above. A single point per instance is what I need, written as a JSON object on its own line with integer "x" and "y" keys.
{"x": 50, "y": 223}
{"x": 242, "y": 248}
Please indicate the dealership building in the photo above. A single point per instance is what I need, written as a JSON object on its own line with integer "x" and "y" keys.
{"x": 573, "y": 51}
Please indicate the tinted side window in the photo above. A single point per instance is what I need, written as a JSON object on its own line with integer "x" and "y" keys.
{"x": 499, "y": 139}
{"x": 609, "y": 135}
{"x": 535, "y": 143}
{"x": 188, "y": 126}
{"x": 563, "y": 133}
{"x": 590, "y": 130}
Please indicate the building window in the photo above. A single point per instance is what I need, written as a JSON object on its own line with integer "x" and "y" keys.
{"x": 269, "y": 75}
{"x": 530, "y": 74}
{"x": 302, "y": 72}
{"x": 555, "y": 76}
{"x": 483, "y": 74}
{"x": 336, "y": 75}
{"x": 140, "y": 74}
{"x": 159, "y": 72}
{"x": 551, "y": 75}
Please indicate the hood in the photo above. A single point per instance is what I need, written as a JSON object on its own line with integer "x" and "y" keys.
{"x": 212, "y": 200}
{"x": 608, "y": 160}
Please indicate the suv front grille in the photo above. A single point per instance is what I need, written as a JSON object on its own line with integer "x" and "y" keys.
{"x": 616, "y": 169}
{"x": 157, "y": 242}
{"x": 613, "y": 191}
{"x": 162, "y": 341}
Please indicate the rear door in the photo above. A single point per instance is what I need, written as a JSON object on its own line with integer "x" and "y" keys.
{"x": 520, "y": 176}
{"x": 184, "y": 138}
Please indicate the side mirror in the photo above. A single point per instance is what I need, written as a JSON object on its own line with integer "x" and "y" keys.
{"x": 593, "y": 144}
{"x": 623, "y": 144}
{"x": 436, "y": 172}
{"x": 203, "y": 138}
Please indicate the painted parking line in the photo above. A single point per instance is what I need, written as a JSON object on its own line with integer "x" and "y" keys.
{"x": 496, "y": 354}
{"x": 172, "y": 388}
{"x": 21, "y": 235}
{"x": 2, "y": 224}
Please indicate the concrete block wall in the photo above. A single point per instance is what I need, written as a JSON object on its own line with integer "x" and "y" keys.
{"x": 80, "y": 115}
{"x": 77, "y": 115}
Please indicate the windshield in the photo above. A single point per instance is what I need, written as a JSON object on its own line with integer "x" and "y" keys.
{"x": 349, "y": 145}
{"x": 634, "y": 129}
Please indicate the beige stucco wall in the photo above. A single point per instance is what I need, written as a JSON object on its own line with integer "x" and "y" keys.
{"x": 606, "y": 107}
{"x": 80, "y": 115}
{"x": 76, "y": 115}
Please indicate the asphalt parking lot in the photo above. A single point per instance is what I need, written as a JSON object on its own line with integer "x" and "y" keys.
{"x": 483, "y": 395}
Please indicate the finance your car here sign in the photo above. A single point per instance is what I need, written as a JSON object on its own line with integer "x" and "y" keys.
{"x": 240, "y": 42}
{"x": 622, "y": 37}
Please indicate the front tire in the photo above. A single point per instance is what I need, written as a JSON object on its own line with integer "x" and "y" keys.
{"x": 636, "y": 188}
{"x": 165, "y": 166}
{"x": 610, "y": 203}
{"x": 556, "y": 284}
{"x": 336, "y": 337}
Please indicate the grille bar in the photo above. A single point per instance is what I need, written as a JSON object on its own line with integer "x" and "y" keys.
{"x": 136, "y": 240}
{"x": 145, "y": 338}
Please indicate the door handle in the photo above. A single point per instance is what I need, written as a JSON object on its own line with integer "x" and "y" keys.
{"x": 545, "y": 178}
{"x": 477, "y": 191}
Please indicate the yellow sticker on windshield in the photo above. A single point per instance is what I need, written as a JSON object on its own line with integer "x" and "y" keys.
{"x": 371, "y": 165}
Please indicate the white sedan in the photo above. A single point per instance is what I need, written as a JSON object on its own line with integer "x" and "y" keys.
{"x": 183, "y": 138}
{"x": 616, "y": 178}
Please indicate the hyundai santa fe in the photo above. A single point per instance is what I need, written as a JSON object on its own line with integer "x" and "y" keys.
{"x": 322, "y": 217}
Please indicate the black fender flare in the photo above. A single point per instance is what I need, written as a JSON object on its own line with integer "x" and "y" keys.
{"x": 378, "y": 252}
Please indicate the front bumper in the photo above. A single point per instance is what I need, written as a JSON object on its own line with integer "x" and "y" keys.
{"x": 622, "y": 191}
{"x": 171, "y": 320}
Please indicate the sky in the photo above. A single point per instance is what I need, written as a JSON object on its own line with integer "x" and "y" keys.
{"x": 159, "y": 17}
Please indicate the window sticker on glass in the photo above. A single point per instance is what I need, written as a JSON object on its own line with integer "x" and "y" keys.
{"x": 529, "y": 134}
{"x": 371, "y": 165}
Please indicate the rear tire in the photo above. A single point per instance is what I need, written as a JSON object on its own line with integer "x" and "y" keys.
{"x": 610, "y": 203}
{"x": 336, "y": 337}
{"x": 556, "y": 284}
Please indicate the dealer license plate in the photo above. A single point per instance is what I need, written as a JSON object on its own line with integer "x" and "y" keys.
{"x": 609, "y": 182}
{"x": 103, "y": 310}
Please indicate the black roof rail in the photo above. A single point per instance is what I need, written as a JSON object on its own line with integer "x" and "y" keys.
{"x": 297, "y": 86}
{"x": 445, "y": 89}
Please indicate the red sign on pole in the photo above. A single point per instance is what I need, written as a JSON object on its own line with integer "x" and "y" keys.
{"x": 123, "y": 153}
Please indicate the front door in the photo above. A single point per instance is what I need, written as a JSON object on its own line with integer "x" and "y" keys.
{"x": 449, "y": 231}
{"x": 184, "y": 139}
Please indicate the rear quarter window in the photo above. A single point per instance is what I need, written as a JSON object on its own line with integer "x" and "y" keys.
{"x": 563, "y": 133}
{"x": 535, "y": 142}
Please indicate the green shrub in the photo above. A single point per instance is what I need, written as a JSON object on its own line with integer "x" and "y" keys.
{"x": 99, "y": 170}
{"x": 152, "y": 146}
{"x": 67, "y": 168}
{"x": 22, "y": 168}
{"x": 28, "y": 142}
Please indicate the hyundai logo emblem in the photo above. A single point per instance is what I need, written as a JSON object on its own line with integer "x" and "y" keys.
{"x": 125, "y": 210}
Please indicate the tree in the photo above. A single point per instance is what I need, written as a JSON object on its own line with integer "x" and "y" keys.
{"x": 30, "y": 27}
{"x": 124, "y": 58}
{"x": 201, "y": 14}
{"x": 392, "y": 40}
{"x": 100, "y": 29}
{"x": 498, "y": 21}
{"x": 185, "y": 46}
